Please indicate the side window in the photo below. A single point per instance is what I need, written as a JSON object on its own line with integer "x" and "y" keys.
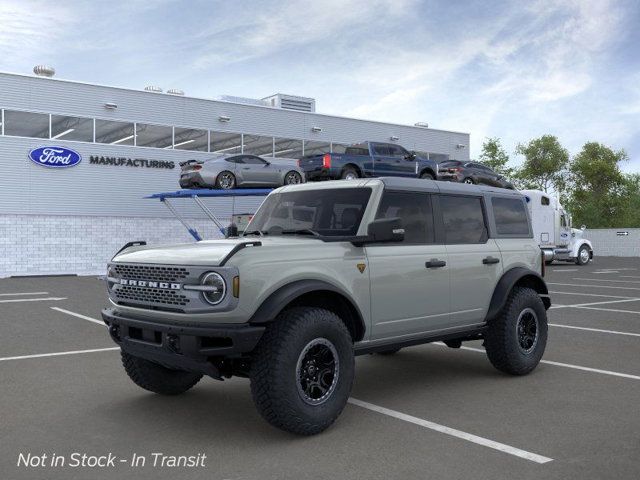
{"x": 511, "y": 216}
{"x": 251, "y": 160}
{"x": 414, "y": 210}
{"x": 463, "y": 219}
{"x": 545, "y": 200}
{"x": 382, "y": 150}
{"x": 234, "y": 160}
{"x": 397, "y": 151}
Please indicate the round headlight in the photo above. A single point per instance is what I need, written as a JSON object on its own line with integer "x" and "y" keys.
{"x": 217, "y": 288}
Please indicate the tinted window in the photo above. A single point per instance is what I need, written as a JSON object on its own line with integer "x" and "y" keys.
{"x": 511, "y": 217}
{"x": 397, "y": 151}
{"x": 381, "y": 150}
{"x": 544, "y": 200}
{"x": 357, "y": 151}
{"x": 336, "y": 211}
{"x": 414, "y": 210}
{"x": 463, "y": 219}
{"x": 235, "y": 160}
{"x": 254, "y": 161}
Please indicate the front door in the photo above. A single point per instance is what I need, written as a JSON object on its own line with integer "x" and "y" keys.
{"x": 410, "y": 279}
{"x": 257, "y": 171}
{"x": 474, "y": 259}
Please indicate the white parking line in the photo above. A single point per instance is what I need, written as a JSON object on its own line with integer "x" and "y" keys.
{"x": 615, "y": 332}
{"x": 578, "y": 305}
{"x": 593, "y": 286}
{"x": 15, "y": 300}
{"x": 566, "y": 365}
{"x": 563, "y": 270}
{"x": 84, "y": 317}
{"x": 605, "y": 280}
{"x": 23, "y": 293}
{"x": 610, "y": 310}
{"x": 485, "y": 442}
{"x": 629, "y": 276}
{"x": 589, "y": 294}
{"x": 58, "y": 354}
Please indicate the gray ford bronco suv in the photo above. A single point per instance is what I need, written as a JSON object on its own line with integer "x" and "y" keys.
{"x": 322, "y": 273}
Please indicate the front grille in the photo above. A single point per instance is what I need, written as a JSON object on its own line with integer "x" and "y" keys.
{"x": 150, "y": 295}
{"x": 153, "y": 273}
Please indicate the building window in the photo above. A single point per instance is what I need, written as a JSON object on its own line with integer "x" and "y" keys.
{"x": 72, "y": 128}
{"x": 316, "y": 148}
{"x": 191, "y": 139}
{"x": 114, "y": 133}
{"x": 257, "y": 145}
{"x": 157, "y": 136}
{"x": 26, "y": 124}
{"x": 225, "y": 143}
{"x": 287, "y": 148}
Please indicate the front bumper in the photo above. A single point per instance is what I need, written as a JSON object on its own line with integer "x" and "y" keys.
{"x": 182, "y": 347}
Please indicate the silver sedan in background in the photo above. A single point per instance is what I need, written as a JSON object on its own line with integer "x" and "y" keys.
{"x": 239, "y": 170}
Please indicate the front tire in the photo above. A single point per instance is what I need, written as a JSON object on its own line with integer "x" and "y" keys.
{"x": 225, "y": 180}
{"x": 156, "y": 378}
{"x": 302, "y": 370}
{"x": 469, "y": 181}
{"x": 515, "y": 341}
{"x": 583, "y": 255}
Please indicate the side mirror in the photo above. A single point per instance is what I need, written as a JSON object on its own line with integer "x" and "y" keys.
{"x": 385, "y": 230}
{"x": 410, "y": 156}
{"x": 583, "y": 227}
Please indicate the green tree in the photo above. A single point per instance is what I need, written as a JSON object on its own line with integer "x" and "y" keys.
{"x": 600, "y": 193}
{"x": 495, "y": 157}
{"x": 545, "y": 164}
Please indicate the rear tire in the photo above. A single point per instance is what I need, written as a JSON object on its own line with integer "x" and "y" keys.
{"x": 349, "y": 173}
{"x": 469, "y": 181}
{"x": 225, "y": 180}
{"x": 583, "y": 255}
{"x": 156, "y": 378}
{"x": 427, "y": 176}
{"x": 292, "y": 178}
{"x": 302, "y": 370}
{"x": 515, "y": 340}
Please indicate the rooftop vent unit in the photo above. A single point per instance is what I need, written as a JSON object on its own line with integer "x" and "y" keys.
{"x": 422, "y": 124}
{"x": 153, "y": 88}
{"x": 44, "y": 71}
{"x": 175, "y": 91}
{"x": 291, "y": 102}
{"x": 243, "y": 100}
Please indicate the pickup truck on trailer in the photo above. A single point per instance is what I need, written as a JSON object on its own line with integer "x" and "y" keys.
{"x": 368, "y": 159}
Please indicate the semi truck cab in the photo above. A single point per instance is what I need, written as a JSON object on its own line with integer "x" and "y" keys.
{"x": 553, "y": 231}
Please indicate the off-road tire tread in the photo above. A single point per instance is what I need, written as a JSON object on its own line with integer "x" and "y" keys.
{"x": 502, "y": 351}
{"x": 346, "y": 170}
{"x": 266, "y": 389}
{"x": 156, "y": 378}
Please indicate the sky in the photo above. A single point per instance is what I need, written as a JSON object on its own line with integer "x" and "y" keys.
{"x": 513, "y": 70}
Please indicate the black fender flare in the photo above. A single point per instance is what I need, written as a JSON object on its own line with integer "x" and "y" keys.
{"x": 517, "y": 275}
{"x": 278, "y": 300}
{"x": 430, "y": 170}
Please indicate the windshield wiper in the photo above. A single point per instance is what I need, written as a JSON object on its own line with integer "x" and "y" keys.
{"x": 301, "y": 231}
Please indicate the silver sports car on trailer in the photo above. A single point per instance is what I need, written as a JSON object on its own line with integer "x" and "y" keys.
{"x": 240, "y": 170}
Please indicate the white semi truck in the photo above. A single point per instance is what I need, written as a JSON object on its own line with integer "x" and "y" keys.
{"x": 552, "y": 230}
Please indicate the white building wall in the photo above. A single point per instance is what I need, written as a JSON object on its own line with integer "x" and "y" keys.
{"x": 55, "y": 245}
{"x": 612, "y": 242}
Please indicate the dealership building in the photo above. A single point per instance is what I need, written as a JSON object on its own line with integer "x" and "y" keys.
{"x": 129, "y": 144}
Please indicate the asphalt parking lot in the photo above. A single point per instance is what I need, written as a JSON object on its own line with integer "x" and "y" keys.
{"x": 427, "y": 412}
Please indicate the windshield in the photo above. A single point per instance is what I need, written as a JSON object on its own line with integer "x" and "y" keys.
{"x": 324, "y": 212}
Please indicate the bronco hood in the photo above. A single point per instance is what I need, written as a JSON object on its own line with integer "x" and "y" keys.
{"x": 208, "y": 252}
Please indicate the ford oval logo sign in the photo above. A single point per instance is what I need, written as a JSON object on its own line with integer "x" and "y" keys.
{"x": 55, "y": 157}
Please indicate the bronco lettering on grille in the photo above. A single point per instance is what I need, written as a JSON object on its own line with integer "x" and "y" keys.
{"x": 150, "y": 284}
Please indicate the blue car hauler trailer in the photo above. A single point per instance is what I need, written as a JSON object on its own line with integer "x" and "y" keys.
{"x": 197, "y": 195}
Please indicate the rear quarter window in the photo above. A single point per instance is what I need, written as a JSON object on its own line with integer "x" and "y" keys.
{"x": 511, "y": 217}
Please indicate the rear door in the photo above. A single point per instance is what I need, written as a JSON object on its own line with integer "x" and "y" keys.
{"x": 409, "y": 280}
{"x": 474, "y": 258}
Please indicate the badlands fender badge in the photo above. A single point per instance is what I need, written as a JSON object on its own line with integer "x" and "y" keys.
{"x": 361, "y": 267}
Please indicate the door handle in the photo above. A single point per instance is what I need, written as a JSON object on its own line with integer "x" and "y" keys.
{"x": 435, "y": 263}
{"x": 490, "y": 260}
